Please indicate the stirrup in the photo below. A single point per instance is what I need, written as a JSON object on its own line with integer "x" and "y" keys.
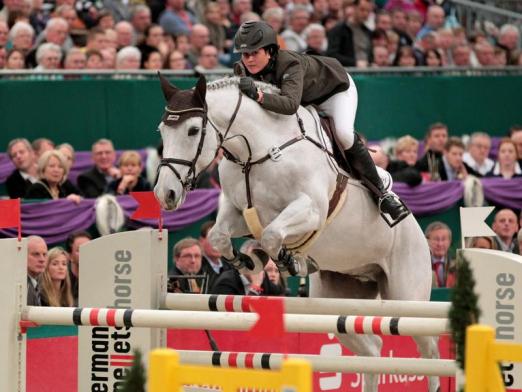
{"x": 390, "y": 221}
{"x": 287, "y": 262}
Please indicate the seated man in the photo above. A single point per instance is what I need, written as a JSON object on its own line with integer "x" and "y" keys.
{"x": 188, "y": 275}
{"x": 453, "y": 166}
{"x": 72, "y": 245}
{"x": 20, "y": 180}
{"x": 438, "y": 235}
{"x": 505, "y": 227}
{"x": 36, "y": 263}
{"x": 93, "y": 182}
{"x": 478, "y": 151}
{"x": 213, "y": 264}
{"x": 431, "y": 161}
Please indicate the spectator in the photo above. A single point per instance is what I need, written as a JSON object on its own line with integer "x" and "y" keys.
{"x": 515, "y": 133}
{"x": 152, "y": 60}
{"x": 380, "y": 56}
{"x": 21, "y": 36}
{"x": 75, "y": 59}
{"x": 128, "y": 57}
{"x": 94, "y": 59}
{"x": 213, "y": 264}
{"x": 519, "y": 240}
{"x": 68, "y": 13}
{"x": 299, "y": 18}
{"x": 42, "y": 145}
{"x": 189, "y": 276}
{"x": 273, "y": 275}
{"x": 461, "y": 55}
{"x": 10, "y": 6}
{"x": 400, "y": 25}
{"x": 507, "y": 165}
{"x": 431, "y": 162}
{"x": 96, "y": 39}
{"x": 208, "y": 59}
{"x": 509, "y": 38}
{"x": 56, "y": 32}
{"x": 414, "y": 24}
{"x": 93, "y": 182}
{"x": 275, "y": 18}
{"x": 405, "y": 57}
{"x": 351, "y": 43}
{"x": 422, "y": 45}
{"x": 4, "y": 33}
{"x": 111, "y": 39}
{"x": 25, "y": 174}
{"x": 54, "y": 281}
{"x": 383, "y": 21}
{"x": 176, "y": 60}
{"x": 315, "y": 37}
{"x": 501, "y": 56}
{"x": 176, "y": 19}
{"x": 52, "y": 173}
{"x": 478, "y": 151}
{"x": 105, "y": 20}
{"x": 217, "y": 31}
{"x": 485, "y": 54}
{"x": 433, "y": 58}
{"x": 72, "y": 245}
{"x": 199, "y": 37}
{"x": 438, "y": 235}
{"x": 505, "y": 227}
{"x": 131, "y": 180}
{"x": 109, "y": 58}
{"x": 403, "y": 168}
{"x": 48, "y": 57}
{"x": 68, "y": 153}
{"x": 89, "y": 11}
{"x": 445, "y": 44}
{"x": 36, "y": 264}
{"x": 140, "y": 20}
{"x": 481, "y": 243}
{"x": 453, "y": 167}
{"x": 15, "y": 59}
{"x": 125, "y": 34}
{"x": 434, "y": 21}
{"x": 233, "y": 283}
{"x": 239, "y": 7}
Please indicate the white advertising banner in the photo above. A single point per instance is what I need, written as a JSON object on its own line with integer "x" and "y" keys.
{"x": 125, "y": 270}
{"x": 498, "y": 277}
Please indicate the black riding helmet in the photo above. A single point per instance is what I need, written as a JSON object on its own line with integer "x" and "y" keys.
{"x": 254, "y": 35}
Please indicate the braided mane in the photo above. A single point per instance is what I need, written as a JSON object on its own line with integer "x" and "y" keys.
{"x": 234, "y": 82}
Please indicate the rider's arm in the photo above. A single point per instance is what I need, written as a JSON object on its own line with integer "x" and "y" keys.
{"x": 288, "y": 101}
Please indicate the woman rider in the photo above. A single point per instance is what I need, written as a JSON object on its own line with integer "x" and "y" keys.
{"x": 305, "y": 79}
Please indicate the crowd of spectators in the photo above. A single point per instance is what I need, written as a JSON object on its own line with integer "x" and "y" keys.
{"x": 41, "y": 170}
{"x": 189, "y": 34}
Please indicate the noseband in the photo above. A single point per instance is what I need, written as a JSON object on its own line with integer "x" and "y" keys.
{"x": 191, "y": 178}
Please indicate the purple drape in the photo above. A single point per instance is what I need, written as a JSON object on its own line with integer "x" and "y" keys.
{"x": 54, "y": 220}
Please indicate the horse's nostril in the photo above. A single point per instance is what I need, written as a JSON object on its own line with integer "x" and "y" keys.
{"x": 171, "y": 195}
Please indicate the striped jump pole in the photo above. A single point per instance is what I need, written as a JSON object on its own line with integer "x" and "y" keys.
{"x": 331, "y": 306}
{"x": 344, "y": 364}
{"x": 406, "y": 326}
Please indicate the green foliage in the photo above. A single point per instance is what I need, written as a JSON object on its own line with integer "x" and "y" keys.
{"x": 464, "y": 309}
{"x": 136, "y": 378}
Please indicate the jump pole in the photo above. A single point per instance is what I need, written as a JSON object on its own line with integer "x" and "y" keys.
{"x": 293, "y": 305}
{"x": 343, "y": 364}
{"x": 177, "y": 319}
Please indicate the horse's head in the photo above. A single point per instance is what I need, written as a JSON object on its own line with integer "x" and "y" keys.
{"x": 187, "y": 149}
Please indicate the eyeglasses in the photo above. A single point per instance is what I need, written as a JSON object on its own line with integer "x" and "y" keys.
{"x": 190, "y": 256}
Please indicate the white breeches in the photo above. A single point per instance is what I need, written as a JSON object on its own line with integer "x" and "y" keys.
{"x": 342, "y": 107}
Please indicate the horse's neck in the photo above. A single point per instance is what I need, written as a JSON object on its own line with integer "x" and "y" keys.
{"x": 262, "y": 129}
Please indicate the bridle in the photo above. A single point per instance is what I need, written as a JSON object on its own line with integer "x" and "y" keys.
{"x": 191, "y": 178}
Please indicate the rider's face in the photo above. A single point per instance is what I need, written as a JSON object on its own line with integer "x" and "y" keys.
{"x": 255, "y": 61}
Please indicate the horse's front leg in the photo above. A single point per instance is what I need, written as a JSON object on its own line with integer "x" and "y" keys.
{"x": 300, "y": 217}
{"x": 229, "y": 224}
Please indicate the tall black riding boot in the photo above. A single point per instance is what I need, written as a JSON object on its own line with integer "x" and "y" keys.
{"x": 363, "y": 167}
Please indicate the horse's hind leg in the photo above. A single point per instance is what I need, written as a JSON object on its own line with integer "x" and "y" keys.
{"x": 428, "y": 348}
{"x": 366, "y": 346}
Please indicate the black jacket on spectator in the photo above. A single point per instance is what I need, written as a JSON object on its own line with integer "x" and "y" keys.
{"x": 40, "y": 190}
{"x": 229, "y": 282}
{"x": 179, "y": 282}
{"x": 16, "y": 185}
{"x": 340, "y": 44}
{"x": 428, "y": 160}
{"x": 33, "y": 294}
{"x": 211, "y": 273}
{"x": 402, "y": 172}
{"x": 92, "y": 183}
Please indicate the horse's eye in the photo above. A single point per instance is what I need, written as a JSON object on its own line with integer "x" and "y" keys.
{"x": 193, "y": 131}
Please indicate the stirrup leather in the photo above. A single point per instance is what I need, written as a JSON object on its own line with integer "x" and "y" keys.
{"x": 391, "y": 222}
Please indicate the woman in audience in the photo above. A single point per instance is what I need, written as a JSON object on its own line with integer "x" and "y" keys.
{"x": 54, "y": 281}
{"x": 403, "y": 168}
{"x": 273, "y": 275}
{"x": 15, "y": 59}
{"x": 405, "y": 57}
{"x": 175, "y": 60}
{"x": 433, "y": 58}
{"x": 481, "y": 243}
{"x": 152, "y": 60}
{"x": 52, "y": 173}
{"x": 68, "y": 153}
{"x": 131, "y": 180}
{"x": 507, "y": 165}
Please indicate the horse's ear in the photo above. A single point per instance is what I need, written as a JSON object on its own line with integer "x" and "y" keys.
{"x": 168, "y": 89}
{"x": 201, "y": 90}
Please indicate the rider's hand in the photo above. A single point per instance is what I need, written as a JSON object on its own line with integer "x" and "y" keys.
{"x": 248, "y": 87}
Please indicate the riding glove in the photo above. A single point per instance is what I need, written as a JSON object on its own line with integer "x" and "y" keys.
{"x": 248, "y": 87}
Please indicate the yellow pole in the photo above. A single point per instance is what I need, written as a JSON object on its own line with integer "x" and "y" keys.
{"x": 478, "y": 340}
{"x": 162, "y": 363}
{"x": 300, "y": 372}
